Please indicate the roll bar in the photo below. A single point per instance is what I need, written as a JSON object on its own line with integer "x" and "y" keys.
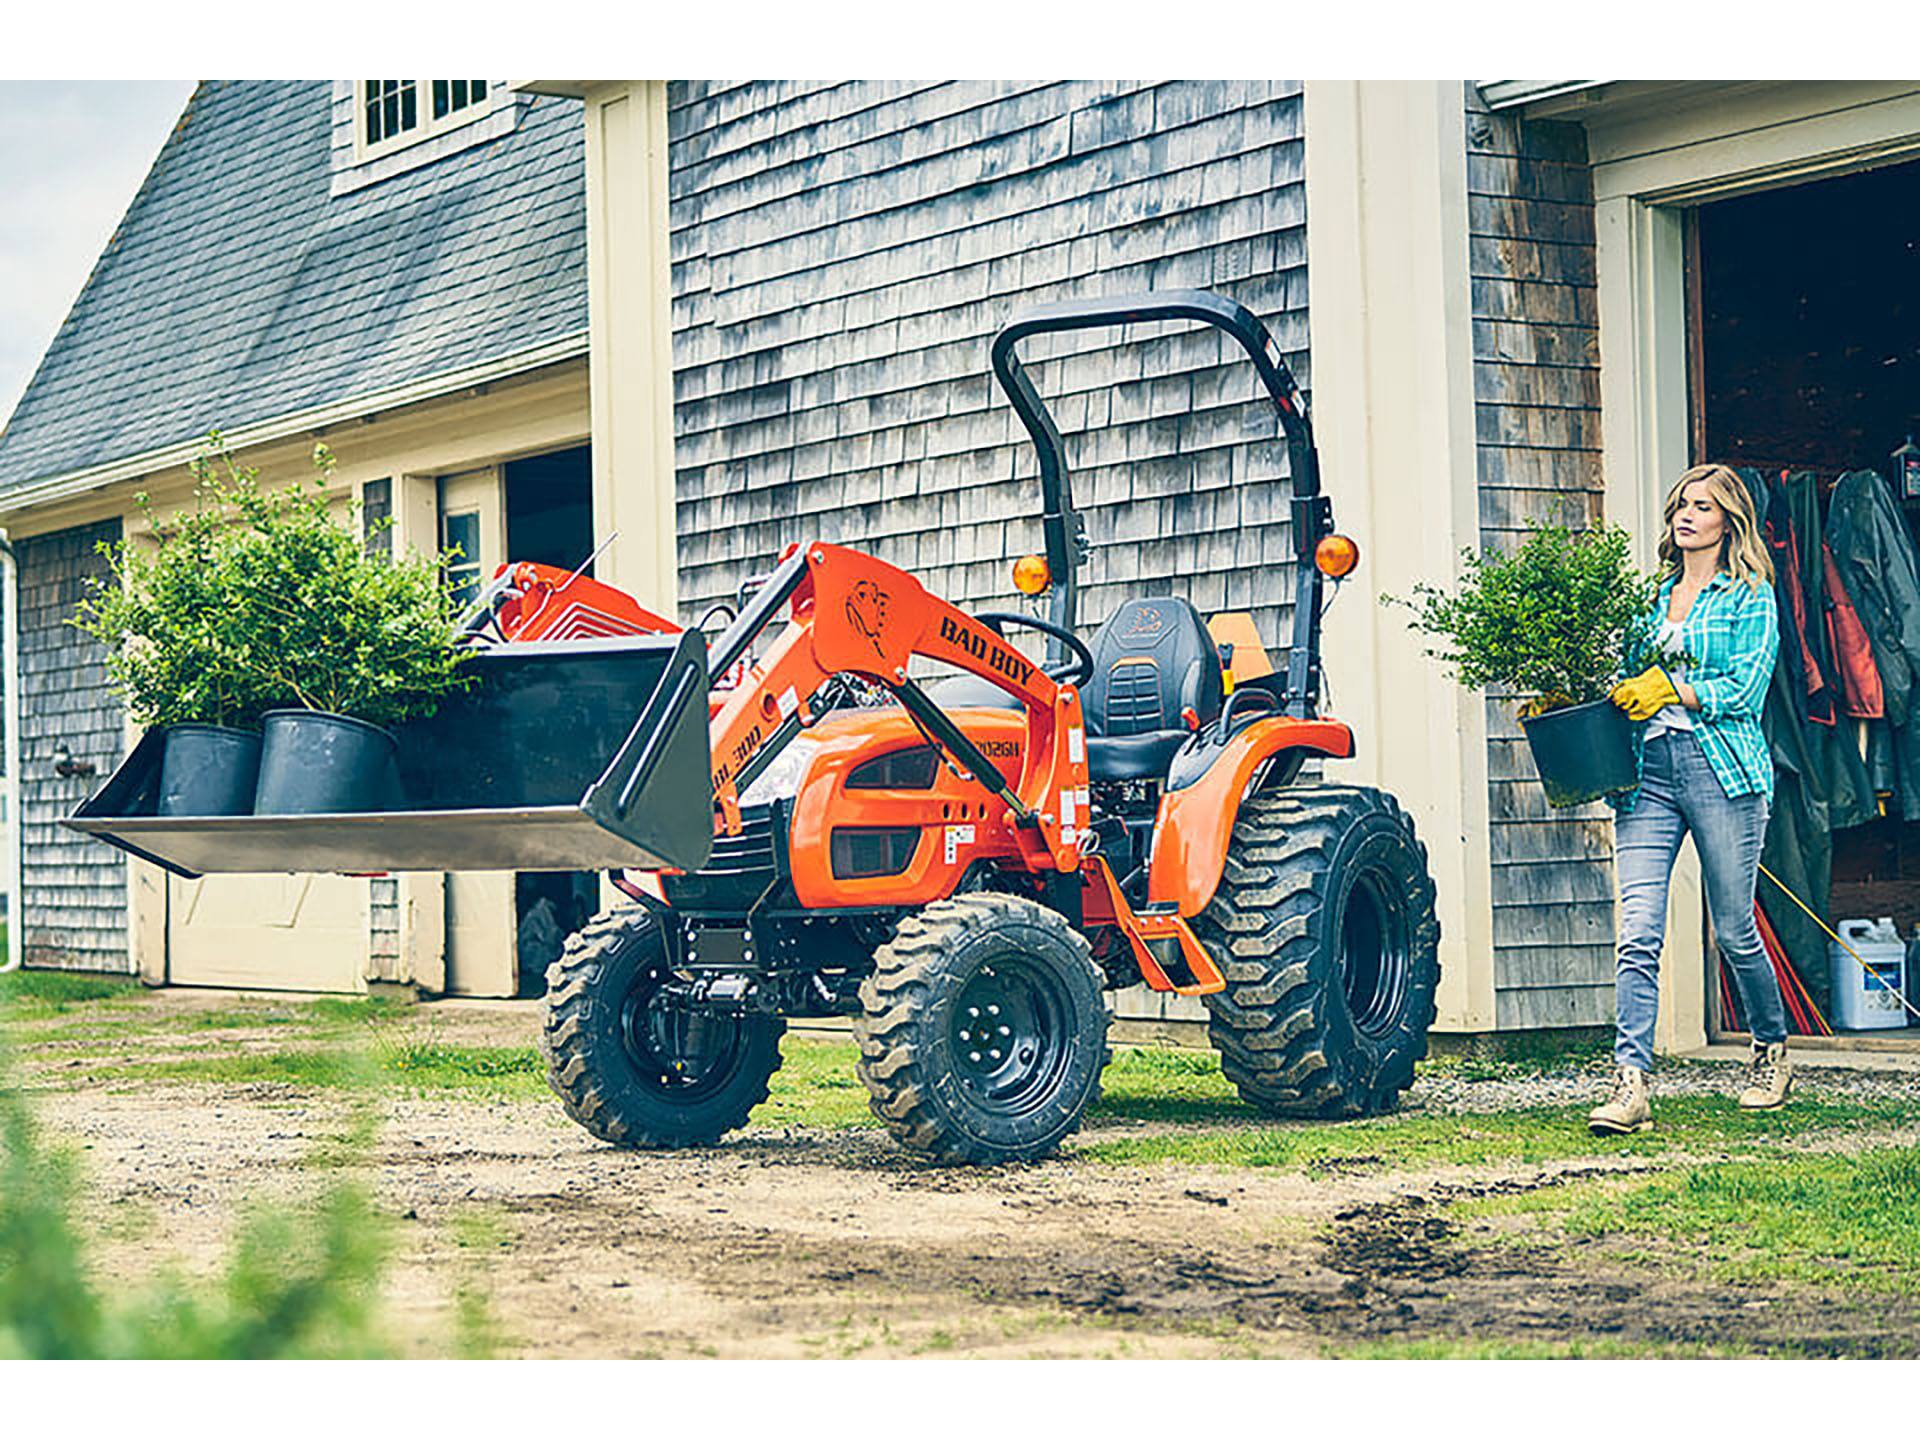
{"x": 1065, "y": 531}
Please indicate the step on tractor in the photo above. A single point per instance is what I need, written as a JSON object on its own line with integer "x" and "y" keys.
{"x": 888, "y": 810}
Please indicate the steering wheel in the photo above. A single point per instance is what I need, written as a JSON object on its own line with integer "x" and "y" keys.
{"x": 1079, "y": 667}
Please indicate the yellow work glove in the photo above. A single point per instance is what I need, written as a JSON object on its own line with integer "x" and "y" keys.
{"x": 1646, "y": 694}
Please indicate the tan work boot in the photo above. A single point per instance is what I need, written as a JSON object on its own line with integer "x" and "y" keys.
{"x": 1629, "y": 1111}
{"x": 1770, "y": 1080}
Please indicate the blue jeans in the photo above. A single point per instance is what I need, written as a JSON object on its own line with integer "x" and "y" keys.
{"x": 1678, "y": 794}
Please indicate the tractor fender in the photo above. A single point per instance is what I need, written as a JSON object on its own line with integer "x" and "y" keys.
{"x": 1196, "y": 820}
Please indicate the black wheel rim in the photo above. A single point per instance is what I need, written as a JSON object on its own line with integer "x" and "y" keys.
{"x": 1374, "y": 960}
{"x": 1009, "y": 1036}
{"x": 679, "y": 1051}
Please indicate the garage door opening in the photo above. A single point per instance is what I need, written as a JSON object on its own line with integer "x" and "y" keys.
{"x": 549, "y": 515}
{"x": 1804, "y": 367}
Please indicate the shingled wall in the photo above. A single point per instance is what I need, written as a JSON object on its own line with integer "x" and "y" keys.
{"x": 75, "y": 889}
{"x": 842, "y": 256}
{"x": 1537, "y": 409}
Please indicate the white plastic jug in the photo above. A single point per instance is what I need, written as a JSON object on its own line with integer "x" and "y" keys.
{"x": 1867, "y": 997}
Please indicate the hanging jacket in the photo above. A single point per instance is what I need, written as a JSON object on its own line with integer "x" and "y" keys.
{"x": 1813, "y": 697}
{"x": 1875, "y": 555}
{"x": 1861, "y": 694}
{"x": 1876, "y": 562}
{"x": 1832, "y": 758}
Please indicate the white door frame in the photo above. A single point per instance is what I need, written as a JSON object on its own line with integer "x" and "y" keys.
{"x": 1648, "y": 168}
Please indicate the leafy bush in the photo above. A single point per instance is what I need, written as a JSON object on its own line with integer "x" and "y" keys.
{"x": 297, "y": 1283}
{"x": 256, "y": 600}
{"x": 176, "y": 652}
{"x": 1550, "y": 620}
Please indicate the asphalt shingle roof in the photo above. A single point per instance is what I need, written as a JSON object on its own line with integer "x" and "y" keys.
{"x": 237, "y": 290}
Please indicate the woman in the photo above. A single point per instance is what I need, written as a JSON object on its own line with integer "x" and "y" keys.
{"x": 1711, "y": 640}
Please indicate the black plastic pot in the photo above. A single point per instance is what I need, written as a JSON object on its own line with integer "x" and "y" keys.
{"x": 315, "y": 763}
{"x": 208, "y": 770}
{"x": 1583, "y": 752}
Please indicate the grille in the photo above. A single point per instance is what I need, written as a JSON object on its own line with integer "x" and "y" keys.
{"x": 751, "y": 849}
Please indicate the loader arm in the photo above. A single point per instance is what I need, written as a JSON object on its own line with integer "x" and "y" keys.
{"x": 853, "y": 614}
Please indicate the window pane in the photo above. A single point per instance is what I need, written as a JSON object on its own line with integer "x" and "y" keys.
{"x": 409, "y": 117}
{"x": 442, "y": 101}
{"x": 461, "y": 533}
{"x": 370, "y": 102}
{"x": 376, "y": 517}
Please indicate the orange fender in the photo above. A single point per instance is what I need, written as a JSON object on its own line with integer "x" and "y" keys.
{"x": 1190, "y": 836}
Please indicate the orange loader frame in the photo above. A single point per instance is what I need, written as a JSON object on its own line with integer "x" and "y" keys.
{"x": 851, "y": 614}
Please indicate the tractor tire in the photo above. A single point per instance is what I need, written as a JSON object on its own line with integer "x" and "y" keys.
{"x": 635, "y": 1072}
{"x": 1324, "y": 927}
{"x": 983, "y": 1032}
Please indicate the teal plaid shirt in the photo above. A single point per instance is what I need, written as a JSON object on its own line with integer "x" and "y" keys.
{"x": 1731, "y": 637}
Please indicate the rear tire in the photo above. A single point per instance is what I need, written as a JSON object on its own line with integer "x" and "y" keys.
{"x": 983, "y": 1031}
{"x": 1324, "y": 926}
{"x": 630, "y": 1067}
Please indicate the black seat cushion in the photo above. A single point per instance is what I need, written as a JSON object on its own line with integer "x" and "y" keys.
{"x": 1152, "y": 660}
{"x": 1133, "y": 757}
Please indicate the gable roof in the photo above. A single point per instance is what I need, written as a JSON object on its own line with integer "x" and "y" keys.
{"x": 236, "y": 290}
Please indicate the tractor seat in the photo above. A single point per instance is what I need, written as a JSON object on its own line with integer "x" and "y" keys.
{"x": 1152, "y": 660}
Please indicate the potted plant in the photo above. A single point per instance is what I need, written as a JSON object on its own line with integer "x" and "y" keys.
{"x": 272, "y": 646}
{"x": 1551, "y": 620}
{"x": 174, "y": 651}
{"x": 340, "y": 642}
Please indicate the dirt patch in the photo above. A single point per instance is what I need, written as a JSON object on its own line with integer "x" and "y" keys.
{"x": 837, "y": 1243}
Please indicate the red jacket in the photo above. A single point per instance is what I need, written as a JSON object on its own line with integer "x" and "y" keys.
{"x": 1860, "y": 692}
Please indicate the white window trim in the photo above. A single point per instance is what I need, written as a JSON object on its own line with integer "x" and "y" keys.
{"x": 426, "y": 129}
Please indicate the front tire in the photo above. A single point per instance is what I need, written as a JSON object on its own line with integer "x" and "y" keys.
{"x": 631, "y": 1066}
{"x": 983, "y": 1032}
{"x": 1324, "y": 926}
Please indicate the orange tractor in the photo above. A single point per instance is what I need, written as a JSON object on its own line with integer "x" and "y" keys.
{"x": 963, "y": 863}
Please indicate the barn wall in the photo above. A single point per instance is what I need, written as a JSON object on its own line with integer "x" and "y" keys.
{"x": 74, "y": 890}
{"x": 843, "y": 254}
{"x": 1537, "y": 409}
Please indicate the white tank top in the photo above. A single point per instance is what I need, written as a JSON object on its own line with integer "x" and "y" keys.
{"x": 1670, "y": 717}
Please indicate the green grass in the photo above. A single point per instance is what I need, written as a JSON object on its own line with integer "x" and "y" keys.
{"x": 35, "y": 994}
{"x": 1849, "y": 1220}
{"x": 1688, "y": 1123}
{"x": 477, "y": 1071}
{"x": 816, "y": 1087}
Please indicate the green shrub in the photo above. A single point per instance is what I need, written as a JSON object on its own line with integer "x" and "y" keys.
{"x": 298, "y": 1282}
{"x": 1549, "y": 620}
{"x": 176, "y": 652}
{"x": 255, "y": 600}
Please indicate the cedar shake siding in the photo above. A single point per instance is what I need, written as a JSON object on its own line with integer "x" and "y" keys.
{"x": 842, "y": 257}
{"x": 75, "y": 888}
{"x": 1536, "y": 374}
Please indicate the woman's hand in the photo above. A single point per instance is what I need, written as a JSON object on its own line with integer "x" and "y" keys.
{"x": 1646, "y": 694}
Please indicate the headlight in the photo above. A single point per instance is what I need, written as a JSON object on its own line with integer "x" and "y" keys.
{"x": 781, "y": 780}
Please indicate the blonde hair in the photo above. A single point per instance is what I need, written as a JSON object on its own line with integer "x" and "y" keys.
{"x": 1743, "y": 554}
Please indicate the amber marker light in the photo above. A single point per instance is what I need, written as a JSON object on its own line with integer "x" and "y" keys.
{"x": 1030, "y": 574}
{"x": 1336, "y": 556}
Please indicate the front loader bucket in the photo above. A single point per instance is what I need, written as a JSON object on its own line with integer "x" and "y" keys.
{"x": 571, "y": 755}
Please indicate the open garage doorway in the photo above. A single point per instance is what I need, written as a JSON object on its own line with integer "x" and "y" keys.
{"x": 549, "y": 519}
{"x": 1804, "y": 368}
